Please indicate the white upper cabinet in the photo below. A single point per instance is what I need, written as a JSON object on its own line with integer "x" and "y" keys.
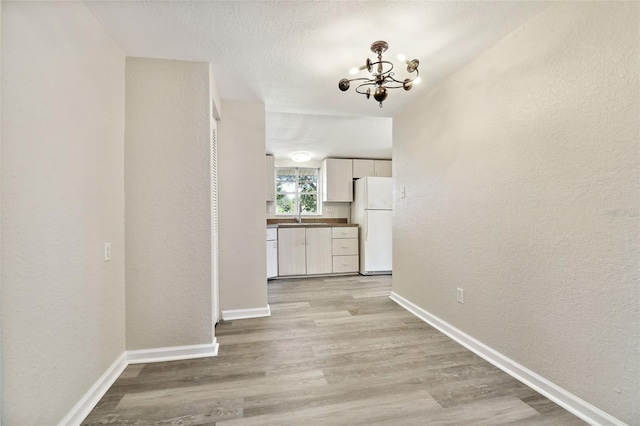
{"x": 364, "y": 168}
{"x": 337, "y": 180}
{"x": 382, "y": 168}
{"x": 270, "y": 178}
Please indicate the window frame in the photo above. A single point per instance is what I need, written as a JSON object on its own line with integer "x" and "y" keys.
{"x": 297, "y": 192}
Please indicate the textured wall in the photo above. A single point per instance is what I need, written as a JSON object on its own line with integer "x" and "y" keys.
{"x": 167, "y": 204}
{"x": 241, "y": 172}
{"x": 1, "y": 362}
{"x": 522, "y": 187}
{"x": 62, "y": 199}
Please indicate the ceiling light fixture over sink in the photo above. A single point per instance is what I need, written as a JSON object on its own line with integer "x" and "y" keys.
{"x": 301, "y": 157}
{"x": 381, "y": 79}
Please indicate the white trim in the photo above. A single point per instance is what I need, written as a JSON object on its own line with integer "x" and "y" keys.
{"x": 173, "y": 353}
{"x": 560, "y": 396}
{"x": 236, "y": 314}
{"x": 88, "y": 402}
{"x": 90, "y": 399}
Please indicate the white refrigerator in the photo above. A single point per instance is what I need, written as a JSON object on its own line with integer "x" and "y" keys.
{"x": 371, "y": 209}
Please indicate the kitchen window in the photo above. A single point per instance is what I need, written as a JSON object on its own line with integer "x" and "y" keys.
{"x": 297, "y": 188}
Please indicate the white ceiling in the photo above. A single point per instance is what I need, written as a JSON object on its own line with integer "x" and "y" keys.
{"x": 291, "y": 54}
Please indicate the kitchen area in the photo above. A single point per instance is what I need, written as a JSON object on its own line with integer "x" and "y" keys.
{"x": 325, "y": 218}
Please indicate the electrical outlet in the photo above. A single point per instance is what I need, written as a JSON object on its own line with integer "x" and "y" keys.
{"x": 460, "y": 295}
{"x": 107, "y": 252}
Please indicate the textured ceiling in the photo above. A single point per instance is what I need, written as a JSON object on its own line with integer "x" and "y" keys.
{"x": 291, "y": 54}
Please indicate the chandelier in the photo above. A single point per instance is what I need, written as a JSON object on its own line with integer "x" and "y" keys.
{"x": 382, "y": 79}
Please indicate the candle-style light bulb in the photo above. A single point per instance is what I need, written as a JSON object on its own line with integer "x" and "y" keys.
{"x": 356, "y": 70}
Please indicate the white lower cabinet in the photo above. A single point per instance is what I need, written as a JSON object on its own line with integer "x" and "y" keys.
{"x": 292, "y": 251}
{"x": 345, "y": 249}
{"x": 304, "y": 251}
{"x": 319, "y": 255}
{"x": 343, "y": 264}
{"x": 314, "y": 251}
{"x": 272, "y": 259}
{"x": 272, "y": 252}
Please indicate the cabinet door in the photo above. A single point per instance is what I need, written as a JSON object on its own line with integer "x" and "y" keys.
{"x": 337, "y": 180}
{"x": 291, "y": 252}
{"x": 272, "y": 259}
{"x": 270, "y": 185}
{"x": 362, "y": 168}
{"x": 319, "y": 254}
{"x": 382, "y": 168}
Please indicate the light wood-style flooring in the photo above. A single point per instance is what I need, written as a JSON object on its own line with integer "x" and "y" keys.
{"x": 336, "y": 351}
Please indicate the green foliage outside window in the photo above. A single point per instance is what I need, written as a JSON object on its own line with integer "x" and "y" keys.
{"x": 296, "y": 187}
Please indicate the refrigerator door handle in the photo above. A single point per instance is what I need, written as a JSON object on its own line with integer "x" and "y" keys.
{"x": 366, "y": 229}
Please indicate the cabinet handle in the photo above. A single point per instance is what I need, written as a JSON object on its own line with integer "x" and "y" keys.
{"x": 345, "y": 246}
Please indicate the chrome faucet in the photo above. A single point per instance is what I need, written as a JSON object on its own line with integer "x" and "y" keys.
{"x": 299, "y": 217}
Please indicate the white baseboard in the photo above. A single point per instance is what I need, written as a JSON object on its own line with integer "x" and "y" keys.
{"x": 82, "y": 409}
{"x": 560, "y": 396}
{"x": 87, "y": 403}
{"x": 173, "y": 353}
{"x": 236, "y": 314}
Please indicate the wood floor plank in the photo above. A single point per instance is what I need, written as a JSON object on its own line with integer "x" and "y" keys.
{"x": 336, "y": 351}
{"x": 357, "y": 411}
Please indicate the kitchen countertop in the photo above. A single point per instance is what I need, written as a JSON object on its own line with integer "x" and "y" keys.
{"x": 312, "y": 225}
{"x": 309, "y": 223}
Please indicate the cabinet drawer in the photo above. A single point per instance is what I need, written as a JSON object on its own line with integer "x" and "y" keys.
{"x": 342, "y": 264}
{"x": 345, "y": 246}
{"x": 272, "y": 234}
{"x": 345, "y": 232}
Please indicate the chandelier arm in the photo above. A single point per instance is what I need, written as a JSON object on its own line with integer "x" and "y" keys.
{"x": 402, "y": 82}
{"x": 370, "y": 83}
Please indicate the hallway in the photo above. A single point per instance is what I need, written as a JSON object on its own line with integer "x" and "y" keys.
{"x": 334, "y": 351}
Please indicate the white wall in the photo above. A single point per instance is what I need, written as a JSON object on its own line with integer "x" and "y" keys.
{"x": 328, "y": 135}
{"x": 168, "y": 204}
{"x": 62, "y": 199}
{"x": 241, "y": 172}
{"x": 1, "y": 362}
{"x": 522, "y": 187}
